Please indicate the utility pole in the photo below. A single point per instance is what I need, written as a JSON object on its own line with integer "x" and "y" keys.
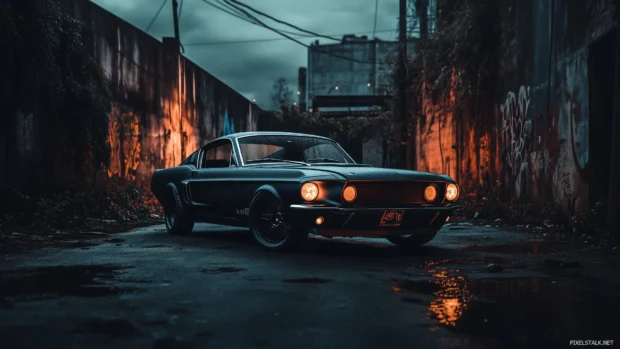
{"x": 175, "y": 18}
{"x": 421, "y": 9}
{"x": 402, "y": 88}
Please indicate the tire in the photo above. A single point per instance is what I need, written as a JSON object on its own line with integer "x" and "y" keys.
{"x": 178, "y": 221}
{"x": 415, "y": 240}
{"x": 265, "y": 213}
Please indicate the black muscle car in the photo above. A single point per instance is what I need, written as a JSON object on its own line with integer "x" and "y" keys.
{"x": 284, "y": 186}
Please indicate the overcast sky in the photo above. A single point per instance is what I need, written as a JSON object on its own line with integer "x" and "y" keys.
{"x": 252, "y": 67}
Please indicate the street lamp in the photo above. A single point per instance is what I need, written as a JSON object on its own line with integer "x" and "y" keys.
{"x": 254, "y": 100}
{"x": 298, "y": 93}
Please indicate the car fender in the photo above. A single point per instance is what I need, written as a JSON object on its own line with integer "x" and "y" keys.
{"x": 268, "y": 188}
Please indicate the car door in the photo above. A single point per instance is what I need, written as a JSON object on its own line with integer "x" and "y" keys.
{"x": 211, "y": 181}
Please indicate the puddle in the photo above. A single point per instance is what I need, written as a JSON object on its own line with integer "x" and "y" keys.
{"x": 516, "y": 312}
{"x": 523, "y": 248}
{"x": 221, "y": 270}
{"x": 59, "y": 281}
{"x": 308, "y": 280}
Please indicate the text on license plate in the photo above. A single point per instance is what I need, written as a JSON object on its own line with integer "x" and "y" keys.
{"x": 392, "y": 218}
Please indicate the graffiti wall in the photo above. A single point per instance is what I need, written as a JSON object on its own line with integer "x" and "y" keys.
{"x": 165, "y": 106}
{"x": 537, "y": 145}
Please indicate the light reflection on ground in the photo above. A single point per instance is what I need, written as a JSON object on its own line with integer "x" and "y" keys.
{"x": 507, "y": 310}
{"x": 452, "y": 295}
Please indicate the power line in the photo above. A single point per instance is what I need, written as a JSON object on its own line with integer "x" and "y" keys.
{"x": 376, "y": 12}
{"x": 156, "y": 15}
{"x": 291, "y": 38}
{"x": 228, "y": 42}
{"x": 239, "y": 3}
{"x": 229, "y": 10}
{"x": 181, "y": 9}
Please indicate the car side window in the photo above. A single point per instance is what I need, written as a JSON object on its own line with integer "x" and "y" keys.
{"x": 218, "y": 155}
{"x": 192, "y": 159}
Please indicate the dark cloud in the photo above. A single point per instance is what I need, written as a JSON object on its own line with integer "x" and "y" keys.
{"x": 251, "y": 68}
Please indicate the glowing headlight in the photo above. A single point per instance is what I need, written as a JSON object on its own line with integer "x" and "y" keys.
{"x": 349, "y": 193}
{"x": 430, "y": 193}
{"x": 309, "y": 191}
{"x": 452, "y": 192}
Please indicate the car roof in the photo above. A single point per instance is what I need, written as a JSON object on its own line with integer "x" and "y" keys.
{"x": 233, "y": 136}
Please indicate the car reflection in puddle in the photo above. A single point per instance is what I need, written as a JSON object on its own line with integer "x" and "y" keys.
{"x": 513, "y": 312}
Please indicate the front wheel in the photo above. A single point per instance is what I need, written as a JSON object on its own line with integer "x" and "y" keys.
{"x": 414, "y": 240}
{"x": 270, "y": 227}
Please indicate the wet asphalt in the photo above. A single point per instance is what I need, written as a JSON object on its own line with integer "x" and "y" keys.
{"x": 471, "y": 287}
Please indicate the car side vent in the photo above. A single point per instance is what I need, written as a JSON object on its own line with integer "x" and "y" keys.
{"x": 186, "y": 195}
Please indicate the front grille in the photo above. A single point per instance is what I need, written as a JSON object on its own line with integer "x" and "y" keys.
{"x": 394, "y": 193}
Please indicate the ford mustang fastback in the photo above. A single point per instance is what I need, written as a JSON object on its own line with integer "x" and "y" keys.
{"x": 285, "y": 186}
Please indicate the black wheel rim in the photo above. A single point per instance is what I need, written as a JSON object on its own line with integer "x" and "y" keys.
{"x": 268, "y": 221}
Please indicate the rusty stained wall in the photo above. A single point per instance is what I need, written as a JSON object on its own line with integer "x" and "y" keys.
{"x": 165, "y": 106}
{"x": 538, "y": 147}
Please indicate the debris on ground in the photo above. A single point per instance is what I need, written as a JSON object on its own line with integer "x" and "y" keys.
{"x": 494, "y": 268}
{"x": 33, "y": 220}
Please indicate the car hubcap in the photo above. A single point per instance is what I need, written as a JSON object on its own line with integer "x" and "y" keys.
{"x": 270, "y": 225}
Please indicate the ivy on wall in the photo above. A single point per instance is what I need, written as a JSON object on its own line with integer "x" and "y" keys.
{"x": 52, "y": 77}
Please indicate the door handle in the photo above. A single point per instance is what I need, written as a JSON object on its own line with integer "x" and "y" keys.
{"x": 194, "y": 173}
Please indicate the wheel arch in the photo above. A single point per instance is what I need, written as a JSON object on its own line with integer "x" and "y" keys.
{"x": 265, "y": 188}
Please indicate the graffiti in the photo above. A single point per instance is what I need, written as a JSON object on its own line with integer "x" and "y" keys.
{"x": 516, "y": 129}
{"x": 229, "y": 125}
{"x": 125, "y": 145}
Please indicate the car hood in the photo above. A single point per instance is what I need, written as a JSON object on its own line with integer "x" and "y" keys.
{"x": 357, "y": 172}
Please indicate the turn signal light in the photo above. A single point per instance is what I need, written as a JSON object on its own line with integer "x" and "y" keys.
{"x": 319, "y": 220}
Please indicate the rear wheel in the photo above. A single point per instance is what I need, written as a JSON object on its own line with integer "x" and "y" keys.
{"x": 415, "y": 239}
{"x": 270, "y": 227}
{"x": 178, "y": 221}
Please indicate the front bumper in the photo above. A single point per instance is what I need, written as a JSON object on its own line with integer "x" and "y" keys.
{"x": 365, "y": 221}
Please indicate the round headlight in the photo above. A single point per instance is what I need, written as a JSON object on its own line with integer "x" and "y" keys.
{"x": 452, "y": 192}
{"x": 309, "y": 191}
{"x": 430, "y": 193}
{"x": 349, "y": 193}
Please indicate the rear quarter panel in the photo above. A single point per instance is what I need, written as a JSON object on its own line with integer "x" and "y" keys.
{"x": 175, "y": 175}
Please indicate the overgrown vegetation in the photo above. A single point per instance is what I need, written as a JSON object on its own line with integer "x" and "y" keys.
{"x": 286, "y": 116}
{"x": 77, "y": 209}
{"x": 345, "y": 129}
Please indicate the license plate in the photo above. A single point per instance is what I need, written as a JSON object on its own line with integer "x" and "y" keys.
{"x": 392, "y": 218}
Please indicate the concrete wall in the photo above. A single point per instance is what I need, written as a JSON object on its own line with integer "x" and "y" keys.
{"x": 540, "y": 143}
{"x": 165, "y": 106}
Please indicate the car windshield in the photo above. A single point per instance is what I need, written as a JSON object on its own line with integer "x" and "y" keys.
{"x": 291, "y": 149}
